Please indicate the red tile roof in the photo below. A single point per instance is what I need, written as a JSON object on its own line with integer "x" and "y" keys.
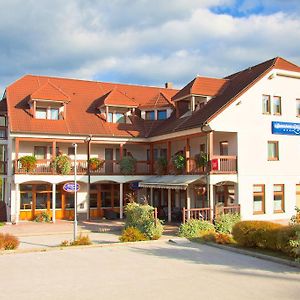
{"x": 85, "y": 97}
{"x": 116, "y": 98}
{"x": 158, "y": 101}
{"x": 204, "y": 86}
{"x": 50, "y": 91}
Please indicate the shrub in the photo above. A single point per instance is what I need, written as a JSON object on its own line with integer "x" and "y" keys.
{"x": 43, "y": 217}
{"x": 296, "y": 218}
{"x": 195, "y": 228}
{"x": 294, "y": 245}
{"x": 255, "y": 233}
{"x": 62, "y": 164}
{"x": 96, "y": 163}
{"x": 161, "y": 166}
{"x": 141, "y": 217}
{"x": 8, "y": 242}
{"x": 127, "y": 165}
{"x": 179, "y": 162}
{"x": 224, "y": 238}
{"x": 81, "y": 240}
{"x": 28, "y": 163}
{"x": 225, "y": 222}
{"x": 131, "y": 234}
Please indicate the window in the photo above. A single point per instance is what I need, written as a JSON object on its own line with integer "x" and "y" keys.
{"x": 298, "y": 195}
{"x": 71, "y": 151}
{"x": 150, "y": 115}
{"x": 41, "y": 113}
{"x": 224, "y": 148}
{"x": 258, "y": 199}
{"x": 298, "y": 108}
{"x": 273, "y": 151}
{"x": 163, "y": 153}
{"x": 54, "y": 113}
{"x": 161, "y": 114}
{"x": 40, "y": 152}
{"x": 106, "y": 199}
{"x": 110, "y": 117}
{"x": 93, "y": 200}
{"x": 266, "y": 104}
{"x": 278, "y": 198}
{"x": 3, "y": 121}
{"x": 56, "y": 150}
{"x": 276, "y": 105}
{"x": 120, "y": 118}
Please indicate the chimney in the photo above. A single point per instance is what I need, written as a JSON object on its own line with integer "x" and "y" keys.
{"x": 168, "y": 85}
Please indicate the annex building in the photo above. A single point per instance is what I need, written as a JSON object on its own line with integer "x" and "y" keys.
{"x": 232, "y": 140}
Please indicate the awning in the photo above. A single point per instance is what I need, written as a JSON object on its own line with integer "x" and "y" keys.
{"x": 176, "y": 182}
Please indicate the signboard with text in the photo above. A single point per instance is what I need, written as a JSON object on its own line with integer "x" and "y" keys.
{"x": 70, "y": 187}
{"x": 286, "y": 128}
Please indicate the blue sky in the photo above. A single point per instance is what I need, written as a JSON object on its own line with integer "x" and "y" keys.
{"x": 144, "y": 41}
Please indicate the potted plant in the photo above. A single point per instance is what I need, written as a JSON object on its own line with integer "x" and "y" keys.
{"x": 28, "y": 163}
{"x": 179, "y": 162}
{"x": 201, "y": 160}
{"x": 127, "y": 165}
{"x": 62, "y": 164}
{"x": 96, "y": 163}
{"x": 161, "y": 166}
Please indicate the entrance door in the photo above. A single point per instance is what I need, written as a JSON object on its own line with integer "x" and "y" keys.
{"x": 109, "y": 166}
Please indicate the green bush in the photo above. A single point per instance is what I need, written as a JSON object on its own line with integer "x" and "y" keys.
{"x": 179, "y": 162}
{"x": 62, "y": 164}
{"x": 255, "y": 233}
{"x": 28, "y": 163}
{"x": 141, "y": 216}
{"x": 295, "y": 219}
{"x": 195, "y": 228}
{"x": 8, "y": 242}
{"x": 42, "y": 217}
{"x": 131, "y": 234}
{"x": 225, "y": 222}
{"x": 127, "y": 165}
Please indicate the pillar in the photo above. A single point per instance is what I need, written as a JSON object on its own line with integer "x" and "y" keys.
{"x": 188, "y": 202}
{"x": 193, "y": 103}
{"x": 169, "y": 206}
{"x": 121, "y": 200}
{"x": 211, "y": 199}
{"x": 187, "y": 155}
{"x": 17, "y": 203}
{"x": 53, "y": 202}
{"x": 151, "y": 196}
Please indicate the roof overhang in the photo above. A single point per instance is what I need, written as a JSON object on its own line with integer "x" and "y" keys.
{"x": 175, "y": 182}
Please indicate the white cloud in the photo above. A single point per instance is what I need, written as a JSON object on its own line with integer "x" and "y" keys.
{"x": 137, "y": 41}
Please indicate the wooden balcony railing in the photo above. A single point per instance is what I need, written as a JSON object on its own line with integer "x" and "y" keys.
{"x": 223, "y": 164}
{"x": 110, "y": 167}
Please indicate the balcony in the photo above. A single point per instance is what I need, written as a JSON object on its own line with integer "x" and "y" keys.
{"x": 110, "y": 167}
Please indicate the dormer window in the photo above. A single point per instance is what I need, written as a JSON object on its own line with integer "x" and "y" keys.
{"x": 49, "y": 113}
{"x": 161, "y": 114}
{"x": 150, "y": 115}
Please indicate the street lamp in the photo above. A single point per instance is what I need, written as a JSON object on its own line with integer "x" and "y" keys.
{"x": 75, "y": 191}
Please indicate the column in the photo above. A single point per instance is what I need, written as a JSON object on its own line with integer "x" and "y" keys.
{"x": 169, "y": 206}
{"x": 53, "y": 202}
{"x": 121, "y": 200}
{"x": 17, "y": 143}
{"x": 17, "y": 203}
{"x": 151, "y": 196}
{"x": 53, "y": 154}
{"x": 188, "y": 202}
{"x": 193, "y": 103}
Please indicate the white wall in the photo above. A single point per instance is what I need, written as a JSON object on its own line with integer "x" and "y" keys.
{"x": 253, "y": 132}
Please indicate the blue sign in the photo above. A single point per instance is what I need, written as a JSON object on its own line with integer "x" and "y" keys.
{"x": 134, "y": 185}
{"x": 286, "y": 128}
{"x": 70, "y": 187}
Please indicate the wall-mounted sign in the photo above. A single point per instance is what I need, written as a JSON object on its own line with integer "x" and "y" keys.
{"x": 70, "y": 187}
{"x": 286, "y": 128}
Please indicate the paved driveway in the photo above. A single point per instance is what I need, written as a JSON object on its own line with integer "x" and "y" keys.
{"x": 149, "y": 270}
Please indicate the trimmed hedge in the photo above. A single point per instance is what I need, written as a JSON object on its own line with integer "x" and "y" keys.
{"x": 195, "y": 228}
{"x": 225, "y": 222}
{"x": 131, "y": 234}
{"x": 266, "y": 235}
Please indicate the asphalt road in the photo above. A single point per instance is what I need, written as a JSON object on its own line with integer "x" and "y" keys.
{"x": 149, "y": 270}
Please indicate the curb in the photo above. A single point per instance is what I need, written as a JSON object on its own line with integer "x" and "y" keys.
{"x": 254, "y": 254}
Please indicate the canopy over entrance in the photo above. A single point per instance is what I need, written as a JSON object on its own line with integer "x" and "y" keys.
{"x": 176, "y": 182}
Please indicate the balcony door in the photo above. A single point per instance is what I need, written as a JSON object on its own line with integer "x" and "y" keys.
{"x": 109, "y": 165}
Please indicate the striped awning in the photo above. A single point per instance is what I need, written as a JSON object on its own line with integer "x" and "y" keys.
{"x": 175, "y": 182}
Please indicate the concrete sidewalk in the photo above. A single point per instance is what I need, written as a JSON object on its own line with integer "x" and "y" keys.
{"x": 37, "y": 236}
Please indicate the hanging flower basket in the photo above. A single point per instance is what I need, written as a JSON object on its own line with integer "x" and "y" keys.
{"x": 62, "y": 164}
{"x": 96, "y": 163}
{"x": 28, "y": 163}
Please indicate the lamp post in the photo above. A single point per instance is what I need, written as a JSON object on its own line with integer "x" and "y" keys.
{"x": 75, "y": 192}
{"x": 207, "y": 129}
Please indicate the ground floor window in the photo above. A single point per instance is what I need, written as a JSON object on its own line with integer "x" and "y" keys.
{"x": 258, "y": 198}
{"x": 278, "y": 198}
